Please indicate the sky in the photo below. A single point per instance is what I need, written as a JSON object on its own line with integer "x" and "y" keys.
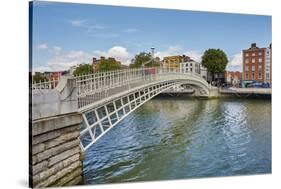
{"x": 67, "y": 34}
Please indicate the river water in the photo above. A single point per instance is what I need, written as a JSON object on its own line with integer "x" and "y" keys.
{"x": 176, "y": 138}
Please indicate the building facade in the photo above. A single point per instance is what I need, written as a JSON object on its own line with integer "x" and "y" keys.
{"x": 257, "y": 64}
{"x": 233, "y": 78}
{"x": 174, "y": 61}
{"x": 194, "y": 67}
{"x": 190, "y": 66}
{"x": 203, "y": 72}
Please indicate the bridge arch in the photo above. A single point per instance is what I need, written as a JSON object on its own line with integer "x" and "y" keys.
{"x": 111, "y": 105}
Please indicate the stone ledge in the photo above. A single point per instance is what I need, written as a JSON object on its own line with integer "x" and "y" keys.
{"x": 61, "y": 100}
{"x": 53, "y": 123}
{"x": 53, "y": 134}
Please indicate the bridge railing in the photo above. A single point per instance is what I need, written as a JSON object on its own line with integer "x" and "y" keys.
{"x": 46, "y": 84}
{"x": 100, "y": 85}
{"x": 98, "y": 82}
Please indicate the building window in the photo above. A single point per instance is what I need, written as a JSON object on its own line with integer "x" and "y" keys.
{"x": 253, "y": 54}
{"x": 247, "y": 54}
{"x": 260, "y": 59}
{"x": 253, "y": 75}
{"x": 267, "y": 76}
{"x": 259, "y": 75}
{"x": 247, "y": 60}
{"x": 247, "y": 76}
{"x": 260, "y": 53}
{"x": 253, "y": 60}
{"x": 260, "y": 67}
{"x": 247, "y": 68}
{"x": 253, "y": 68}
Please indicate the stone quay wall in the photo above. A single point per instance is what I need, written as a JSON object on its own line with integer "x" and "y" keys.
{"x": 55, "y": 155}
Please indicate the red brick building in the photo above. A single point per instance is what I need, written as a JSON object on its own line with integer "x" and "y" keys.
{"x": 233, "y": 78}
{"x": 257, "y": 64}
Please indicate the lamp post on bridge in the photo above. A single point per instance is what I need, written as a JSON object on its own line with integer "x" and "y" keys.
{"x": 151, "y": 60}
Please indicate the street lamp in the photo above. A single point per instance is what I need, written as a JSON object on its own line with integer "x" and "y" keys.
{"x": 152, "y": 52}
{"x": 152, "y": 55}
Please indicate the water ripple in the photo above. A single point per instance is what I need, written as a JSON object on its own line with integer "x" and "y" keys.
{"x": 172, "y": 139}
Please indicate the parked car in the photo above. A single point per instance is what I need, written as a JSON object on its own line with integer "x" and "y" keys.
{"x": 259, "y": 85}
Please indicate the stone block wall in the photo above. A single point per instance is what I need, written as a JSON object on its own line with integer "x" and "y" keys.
{"x": 55, "y": 153}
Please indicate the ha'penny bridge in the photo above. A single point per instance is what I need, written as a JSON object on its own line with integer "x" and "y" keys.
{"x": 70, "y": 114}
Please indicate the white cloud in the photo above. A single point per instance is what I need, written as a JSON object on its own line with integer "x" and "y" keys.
{"x": 42, "y": 46}
{"x": 105, "y": 35}
{"x": 78, "y": 23}
{"x": 86, "y": 25}
{"x": 177, "y": 50}
{"x": 130, "y": 30}
{"x": 96, "y": 26}
{"x": 172, "y": 50}
{"x": 41, "y": 69}
{"x": 118, "y": 52}
{"x": 195, "y": 55}
{"x": 235, "y": 63}
{"x": 64, "y": 60}
{"x": 57, "y": 48}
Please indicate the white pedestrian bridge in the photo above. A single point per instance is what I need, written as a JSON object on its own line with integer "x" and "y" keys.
{"x": 106, "y": 98}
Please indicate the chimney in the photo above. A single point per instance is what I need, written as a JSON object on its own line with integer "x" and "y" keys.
{"x": 270, "y": 46}
{"x": 253, "y": 45}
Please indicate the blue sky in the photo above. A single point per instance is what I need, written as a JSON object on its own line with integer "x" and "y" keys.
{"x": 66, "y": 34}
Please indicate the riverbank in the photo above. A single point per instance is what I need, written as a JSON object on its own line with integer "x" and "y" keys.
{"x": 251, "y": 93}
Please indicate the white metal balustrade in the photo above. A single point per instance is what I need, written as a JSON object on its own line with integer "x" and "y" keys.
{"x": 98, "y": 86}
{"x": 46, "y": 84}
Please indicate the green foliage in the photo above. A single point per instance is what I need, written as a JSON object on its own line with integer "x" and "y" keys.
{"x": 38, "y": 77}
{"x": 108, "y": 64}
{"x": 140, "y": 59}
{"x": 215, "y": 60}
{"x": 83, "y": 69}
{"x": 153, "y": 63}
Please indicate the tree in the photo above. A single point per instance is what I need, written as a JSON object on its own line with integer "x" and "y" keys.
{"x": 215, "y": 60}
{"x": 38, "y": 77}
{"x": 83, "y": 69}
{"x": 108, "y": 64}
{"x": 140, "y": 59}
